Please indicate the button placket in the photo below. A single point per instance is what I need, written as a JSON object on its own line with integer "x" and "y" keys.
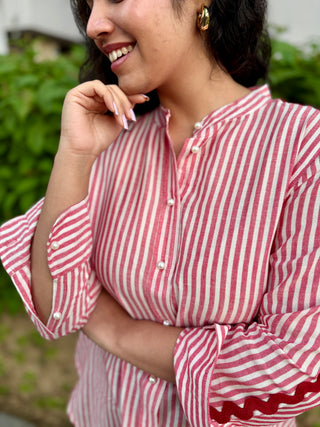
{"x": 195, "y": 149}
{"x": 152, "y": 379}
{"x": 55, "y": 246}
{"x": 57, "y": 315}
{"x": 197, "y": 126}
{"x": 161, "y": 265}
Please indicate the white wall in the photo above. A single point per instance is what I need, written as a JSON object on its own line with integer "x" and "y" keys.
{"x": 3, "y": 32}
{"x": 52, "y": 17}
{"x": 300, "y": 17}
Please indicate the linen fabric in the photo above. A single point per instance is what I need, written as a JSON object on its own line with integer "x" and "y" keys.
{"x": 223, "y": 240}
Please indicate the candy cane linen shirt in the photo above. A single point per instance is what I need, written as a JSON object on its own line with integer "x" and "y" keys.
{"x": 223, "y": 241}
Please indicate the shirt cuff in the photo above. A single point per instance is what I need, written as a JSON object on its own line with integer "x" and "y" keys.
{"x": 16, "y": 237}
{"x": 196, "y": 353}
{"x": 70, "y": 240}
{"x": 69, "y": 249}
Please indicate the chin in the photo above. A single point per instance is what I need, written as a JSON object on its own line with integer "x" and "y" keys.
{"x": 131, "y": 87}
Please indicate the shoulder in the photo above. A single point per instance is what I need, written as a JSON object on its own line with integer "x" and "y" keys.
{"x": 301, "y": 124}
{"x": 298, "y": 115}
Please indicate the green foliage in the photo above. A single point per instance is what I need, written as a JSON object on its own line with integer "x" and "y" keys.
{"x": 28, "y": 382}
{"x": 31, "y": 98}
{"x": 50, "y": 402}
{"x": 295, "y": 73}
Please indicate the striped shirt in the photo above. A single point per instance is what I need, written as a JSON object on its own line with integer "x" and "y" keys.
{"x": 223, "y": 241}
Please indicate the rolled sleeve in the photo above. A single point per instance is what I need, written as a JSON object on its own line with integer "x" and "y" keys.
{"x": 70, "y": 241}
{"x": 196, "y": 353}
{"x": 75, "y": 287}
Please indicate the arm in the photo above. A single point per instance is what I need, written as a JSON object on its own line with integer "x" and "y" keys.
{"x": 74, "y": 171}
{"x": 86, "y": 131}
{"x": 75, "y": 287}
{"x": 143, "y": 343}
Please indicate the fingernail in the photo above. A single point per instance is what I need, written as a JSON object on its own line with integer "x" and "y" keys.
{"x": 125, "y": 122}
{"x": 145, "y": 97}
{"x": 116, "y": 111}
{"x": 133, "y": 116}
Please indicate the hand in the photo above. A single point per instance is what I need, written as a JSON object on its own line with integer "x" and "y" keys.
{"x": 85, "y": 128}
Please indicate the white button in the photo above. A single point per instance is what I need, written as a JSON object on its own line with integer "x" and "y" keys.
{"x": 54, "y": 246}
{"x": 152, "y": 379}
{"x": 197, "y": 126}
{"x": 161, "y": 265}
{"x": 170, "y": 202}
{"x": 57, "y": 315}
{"x": 195, "y": 149}
{"x": 166, "y": 323}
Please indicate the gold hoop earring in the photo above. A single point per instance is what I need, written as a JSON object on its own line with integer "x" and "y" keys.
{"x": 203, "y": 19}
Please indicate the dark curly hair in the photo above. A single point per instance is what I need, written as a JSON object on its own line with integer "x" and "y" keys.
{"x": 237, "y": 39}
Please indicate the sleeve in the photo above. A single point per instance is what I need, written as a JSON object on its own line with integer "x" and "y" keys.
{"x": 266, "y": 372}
{"x": 75, "y": 287}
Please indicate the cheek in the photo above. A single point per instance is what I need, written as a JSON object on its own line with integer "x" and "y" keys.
{"x": 143, "y": 20}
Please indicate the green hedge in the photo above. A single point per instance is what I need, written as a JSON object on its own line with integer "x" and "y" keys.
{"x": 295, "y": 73}
{"x": 31, "y": 98}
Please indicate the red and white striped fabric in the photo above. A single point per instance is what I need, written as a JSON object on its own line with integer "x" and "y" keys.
{"x": 223, "y": 241}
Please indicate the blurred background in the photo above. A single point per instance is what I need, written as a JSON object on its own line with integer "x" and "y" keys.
{"x": 40, "y": 55}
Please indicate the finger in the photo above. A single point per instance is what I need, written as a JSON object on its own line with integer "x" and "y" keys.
{"x": 130, "y": 102}
{"x": 122, "y": 106}
{"x": 92, "y": 97}
{"x": 138, "y": 99}
{"x": 103, "y": 98}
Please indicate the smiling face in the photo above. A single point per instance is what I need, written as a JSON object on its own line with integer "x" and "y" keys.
{"x": 148, "y": 44}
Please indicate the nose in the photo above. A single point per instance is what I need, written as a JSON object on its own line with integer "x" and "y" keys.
{"x": 99, "y": 23}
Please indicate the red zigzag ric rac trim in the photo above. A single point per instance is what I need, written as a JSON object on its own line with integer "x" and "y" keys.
{"x": 269, "y": 407}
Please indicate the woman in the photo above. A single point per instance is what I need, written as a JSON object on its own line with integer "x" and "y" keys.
{"x": 184, "y": 244}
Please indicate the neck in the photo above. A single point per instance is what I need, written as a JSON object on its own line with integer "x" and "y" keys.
{"x": 192, "y": 98}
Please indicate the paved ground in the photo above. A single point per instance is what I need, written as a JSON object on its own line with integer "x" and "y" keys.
{"x": 9, "y": 421}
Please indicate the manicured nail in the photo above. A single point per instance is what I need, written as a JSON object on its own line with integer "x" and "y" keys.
{"x": 125, "y": 122}
{"x": 116, "y": 111}
{"x": 145, "y": 97}
{"x": 133, "y": 116}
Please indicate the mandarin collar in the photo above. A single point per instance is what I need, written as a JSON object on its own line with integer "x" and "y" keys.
{"x": 256, "y": 99}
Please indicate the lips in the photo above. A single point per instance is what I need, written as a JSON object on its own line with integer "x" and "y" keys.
{"x": 116, "y": 51}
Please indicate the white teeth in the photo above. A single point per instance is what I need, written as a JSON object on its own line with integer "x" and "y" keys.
{"x": 115, "y": 54}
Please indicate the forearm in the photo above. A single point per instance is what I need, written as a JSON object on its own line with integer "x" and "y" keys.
{"x": 86, "y": 131}
{"x": 149, "y": 346}
{"x": 68, "y": 185}
{"x": 145, "y": 344}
